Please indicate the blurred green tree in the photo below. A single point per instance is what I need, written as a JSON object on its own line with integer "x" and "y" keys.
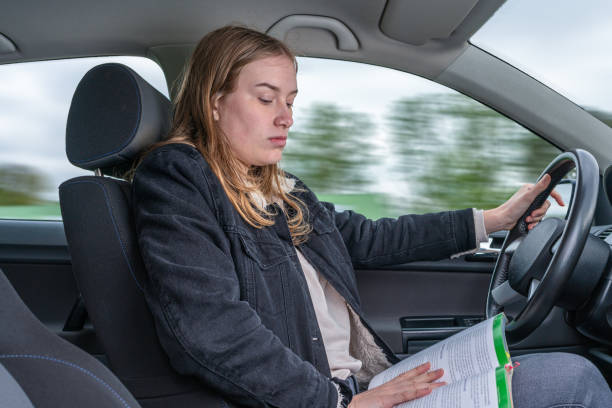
{"x": 20, "y": 185}
{"x": 453, "y": 152}
{"x": 331, "y": 152}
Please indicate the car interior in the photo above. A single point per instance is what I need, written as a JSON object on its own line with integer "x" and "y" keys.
{"x": 74, "y": 327}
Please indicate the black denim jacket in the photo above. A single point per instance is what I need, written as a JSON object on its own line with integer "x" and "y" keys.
{"x": 230, "y": 301}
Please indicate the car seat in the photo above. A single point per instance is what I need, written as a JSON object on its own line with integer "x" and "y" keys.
{"x": 114, "y": 115}
{"x": 40, "y": 369}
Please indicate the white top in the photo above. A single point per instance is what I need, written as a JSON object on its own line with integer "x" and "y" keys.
{"x": 333, "y": 318}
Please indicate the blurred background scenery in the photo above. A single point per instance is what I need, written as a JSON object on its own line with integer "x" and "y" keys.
{"x": 371, "y": 139}
{"x": 440, "y": 151}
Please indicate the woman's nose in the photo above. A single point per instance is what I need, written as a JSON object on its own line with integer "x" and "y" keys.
{"x": 284, "y": 117}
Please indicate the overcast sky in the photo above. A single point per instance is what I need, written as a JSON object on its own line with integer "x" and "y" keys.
{"x": 563, "y": 43}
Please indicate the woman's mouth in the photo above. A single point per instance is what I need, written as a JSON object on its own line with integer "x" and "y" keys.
{"x": 278, "y": 141}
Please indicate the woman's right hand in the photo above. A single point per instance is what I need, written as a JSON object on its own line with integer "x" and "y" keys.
{"x": 412, "y": 384}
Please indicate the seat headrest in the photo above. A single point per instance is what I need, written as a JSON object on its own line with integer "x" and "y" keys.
{"x": 114, "y": 115}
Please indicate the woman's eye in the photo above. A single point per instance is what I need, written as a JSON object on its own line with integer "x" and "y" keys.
{"x": 290, "y": 105}
{"x": 264, "y": 100}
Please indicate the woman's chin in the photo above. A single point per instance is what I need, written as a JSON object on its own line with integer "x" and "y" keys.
{"x": 273, "y": 159}
{"x": 263, "y": 160}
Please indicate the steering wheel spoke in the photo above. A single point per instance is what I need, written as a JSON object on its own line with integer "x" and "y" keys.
{"x": 504, "y": 295}
{"x": 512, "y": 247}
{"x": 533, "y": 285}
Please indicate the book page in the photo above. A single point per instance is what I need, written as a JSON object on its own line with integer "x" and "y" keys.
{"x": 486, "y": 390}
{"x": 467, "y": 353}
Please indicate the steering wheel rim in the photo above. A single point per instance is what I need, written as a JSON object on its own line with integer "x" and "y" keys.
{"x": 570, "y": 246}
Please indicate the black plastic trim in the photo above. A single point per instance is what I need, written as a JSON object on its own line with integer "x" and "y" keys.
{"x": 33, "y": 242}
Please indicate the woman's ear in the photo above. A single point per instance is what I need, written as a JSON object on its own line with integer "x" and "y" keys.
{"x": 215, "y": 105}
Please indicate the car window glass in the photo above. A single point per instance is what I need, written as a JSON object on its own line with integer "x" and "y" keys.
{"x": 385, "y": 143}
{"x": 34, "y": 102}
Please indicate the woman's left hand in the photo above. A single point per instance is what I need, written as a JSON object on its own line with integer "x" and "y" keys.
{"x": 506, "y": 215}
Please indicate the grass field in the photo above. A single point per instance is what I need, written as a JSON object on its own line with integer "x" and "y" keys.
{"x": 371, "y": 205}
{"x": 50, "y": 211}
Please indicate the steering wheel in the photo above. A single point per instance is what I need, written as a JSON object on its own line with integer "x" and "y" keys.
{"x": 538, "y": 263}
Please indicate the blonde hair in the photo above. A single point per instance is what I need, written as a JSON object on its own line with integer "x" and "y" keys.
{"x": 213, "y": 69}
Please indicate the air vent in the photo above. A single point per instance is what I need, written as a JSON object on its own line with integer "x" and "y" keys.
{"x": 604, "y": 234}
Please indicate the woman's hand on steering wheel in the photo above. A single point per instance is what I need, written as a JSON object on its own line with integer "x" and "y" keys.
{"x": 412, "y": 384}
{"x": 508, "y": 214}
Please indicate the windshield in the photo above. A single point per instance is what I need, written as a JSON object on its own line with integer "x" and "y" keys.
{"x": 564, "y": 44}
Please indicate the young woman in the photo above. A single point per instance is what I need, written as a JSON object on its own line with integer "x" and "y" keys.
{"x": 256, "y": 294}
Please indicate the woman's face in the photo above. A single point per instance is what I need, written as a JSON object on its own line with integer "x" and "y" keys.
{"x": 257, "y": 114}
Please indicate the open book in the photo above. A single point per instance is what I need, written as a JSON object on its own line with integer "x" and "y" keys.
{"x": 477, "y": 369}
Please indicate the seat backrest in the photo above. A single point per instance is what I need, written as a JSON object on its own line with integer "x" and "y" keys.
{"x": 114, "y": 115}
{"x": 40, "y": 369}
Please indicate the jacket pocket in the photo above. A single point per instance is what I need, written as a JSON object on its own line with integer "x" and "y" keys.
{"x": 265, "y": 254}
{"x": 268, "y": 264}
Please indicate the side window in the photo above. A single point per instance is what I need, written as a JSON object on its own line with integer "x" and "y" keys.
{"x": 385, "y": 143}
{"x": 34, "y": 102}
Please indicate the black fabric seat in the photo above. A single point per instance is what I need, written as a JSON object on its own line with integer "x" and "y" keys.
{"x": 40, "y": 369}
{"x": 114, "y": 115}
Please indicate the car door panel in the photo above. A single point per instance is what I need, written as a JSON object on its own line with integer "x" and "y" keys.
{"x": 431, "y": 290}
{"x": 445, "y": 297}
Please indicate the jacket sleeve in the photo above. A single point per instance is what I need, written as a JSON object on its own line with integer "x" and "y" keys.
{"x": 392, "y": 241}
{"x": 194, "y": 295}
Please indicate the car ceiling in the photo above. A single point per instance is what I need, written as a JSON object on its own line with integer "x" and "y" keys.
{"x": 429, "y": 33}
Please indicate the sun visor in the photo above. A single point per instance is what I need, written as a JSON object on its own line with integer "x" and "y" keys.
{"x": 417, "y": 22}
